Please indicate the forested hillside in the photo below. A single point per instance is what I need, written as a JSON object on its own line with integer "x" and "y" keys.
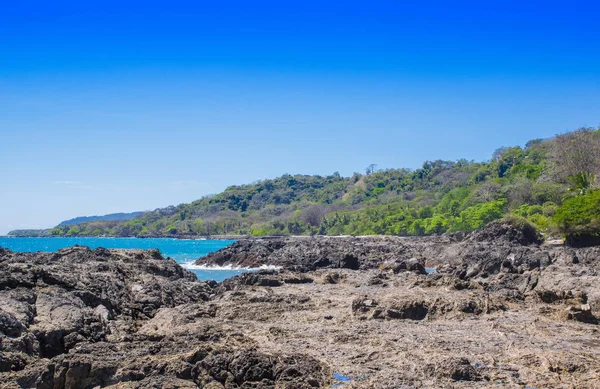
{"x": 549, "y": 183}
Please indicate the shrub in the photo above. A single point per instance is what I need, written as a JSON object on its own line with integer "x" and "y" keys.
{"x": 579, "y": 215}
{"x": 479, "y": 215}
{"x": 521, "y": 224}
{"x": 549, "y": 208}
{"x": 548, "y": 192}
{"x": 436, "y": 225}
{"x": 526, "y": 210}
{"x": 541, "y": 221}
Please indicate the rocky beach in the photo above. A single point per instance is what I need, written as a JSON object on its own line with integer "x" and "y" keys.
{"x": 492, "y": 308}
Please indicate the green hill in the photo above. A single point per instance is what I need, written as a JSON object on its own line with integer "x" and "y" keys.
{"x": 530, "y": 182}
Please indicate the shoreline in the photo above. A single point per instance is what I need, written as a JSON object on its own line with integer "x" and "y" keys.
{"x": 212, "y": 237}
{"x": 365, "y": 309}
{"x": 236, "y": 237}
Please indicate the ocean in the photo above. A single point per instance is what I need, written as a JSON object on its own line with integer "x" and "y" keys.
{"x": 183, "y": 251}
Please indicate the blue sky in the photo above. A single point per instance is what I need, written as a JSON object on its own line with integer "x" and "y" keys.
{"x": 113, "y": 107}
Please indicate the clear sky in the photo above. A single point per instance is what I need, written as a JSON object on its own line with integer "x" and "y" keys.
{"x": 112, "y": 107}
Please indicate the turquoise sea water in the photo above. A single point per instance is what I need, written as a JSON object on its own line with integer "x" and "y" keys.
{"x": 182, "y": 251}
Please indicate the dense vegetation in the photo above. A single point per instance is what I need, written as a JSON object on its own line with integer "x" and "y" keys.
{"x": 550, "y": 183}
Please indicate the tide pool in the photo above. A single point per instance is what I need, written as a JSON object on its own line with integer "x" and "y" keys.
{"x": 183, "y": 251}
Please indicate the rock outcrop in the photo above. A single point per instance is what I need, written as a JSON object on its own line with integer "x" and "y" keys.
{"x": 500, "y": 309}
{"x": 82, "y": 318}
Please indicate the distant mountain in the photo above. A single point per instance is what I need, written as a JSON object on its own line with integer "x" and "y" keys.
{"x": 110, "y": 217}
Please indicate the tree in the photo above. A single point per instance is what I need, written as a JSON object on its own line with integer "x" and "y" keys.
{"x": 498, "y": 153}
{"x": 488, "y": 191}
{"x": 533, "y": 142}
{"x": 519, "y": 192}
{"x": 313, "y": 215}
{"x": 505, "y": 158}
{"x": 199, "y": 227}
{"x": 576, "y": 158}
{"x": 370, "y": 169}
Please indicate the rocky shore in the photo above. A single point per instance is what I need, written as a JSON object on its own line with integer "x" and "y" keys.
{"x": 501, "y": 310}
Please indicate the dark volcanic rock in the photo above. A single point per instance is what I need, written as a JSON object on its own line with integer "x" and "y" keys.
{"x": 50, "y": 302}
{"x": 458, "y": 369}
{"x": 582, "y": 313}
{"x": 236, "y": 368}
{"x": 582, "y": 240}
{"x": 261, "y": 278}
{"x": 487, "y": 251}
{"x": 503, "y": 231}
{"x": 297, "y": 279}
{"x": 371, "y": 309}
{"x": 350, "y": 261}
{"x": 82, "y": 318}
{"x": 307, "y": 254}
{"x": 412, "y": 264}
{"x": 522, "y": 313}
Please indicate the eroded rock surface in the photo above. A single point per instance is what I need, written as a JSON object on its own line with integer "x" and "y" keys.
{"x": 82, "y": 318}
{"x": 483, "y": 251}
{"x": 501, "y": 310}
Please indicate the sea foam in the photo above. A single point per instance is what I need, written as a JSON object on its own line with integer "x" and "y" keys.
{"x": 192, "y": 266}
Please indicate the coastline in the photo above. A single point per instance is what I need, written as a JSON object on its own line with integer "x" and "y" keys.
{"x": 361, "y": 308}
{"x": 179, "y": 237}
